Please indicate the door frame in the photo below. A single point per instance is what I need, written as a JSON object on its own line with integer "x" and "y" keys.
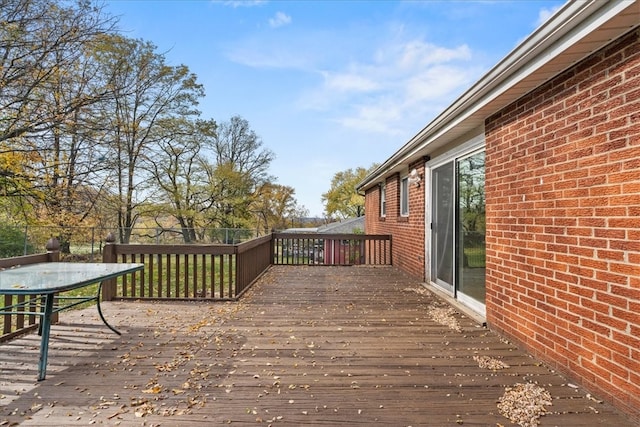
{"x": 449, "y": 288}
{"x": 473, "y": 144}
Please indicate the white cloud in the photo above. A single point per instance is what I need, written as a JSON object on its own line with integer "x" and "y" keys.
{"x": 401, "y": 84}
{"x": 418, "y": 53}
{"x": 544, "y": 14}
{"x": 276, "y": 57}
{"x": 349, "y": 82}
{"x": 280, "y": 19}
{"x": 389, "y": 88}
{"x": 241, "y": 3}
{"x": 276, "y": 49}
{"x": 436, "y": 83}
{"x": 378, "y": 117}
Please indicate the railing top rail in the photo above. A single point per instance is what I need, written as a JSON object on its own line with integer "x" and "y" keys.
{"x": 138, "y": 249}
{"x": 23, "y": 260}
{"x": 250, "y": 244}
{"x": 328, "y": 236}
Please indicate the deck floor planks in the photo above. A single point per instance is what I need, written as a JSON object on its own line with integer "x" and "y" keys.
{"x": 306, "y": 346}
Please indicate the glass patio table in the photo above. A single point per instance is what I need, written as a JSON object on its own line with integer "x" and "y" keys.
{"x": 44, "y": 280}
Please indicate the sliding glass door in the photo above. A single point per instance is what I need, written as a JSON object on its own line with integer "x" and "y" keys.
{"x": 442, "y": 226}
{"x": 458, "y": 228}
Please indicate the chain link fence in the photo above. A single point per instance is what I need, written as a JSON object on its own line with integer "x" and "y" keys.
{"x": 86, "y": 243}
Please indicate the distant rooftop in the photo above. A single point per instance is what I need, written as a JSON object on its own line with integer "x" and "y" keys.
{"x": 345, "y": 226}
{"x": 349, "y": 225}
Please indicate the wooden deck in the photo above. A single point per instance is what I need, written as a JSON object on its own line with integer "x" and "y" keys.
{"x": 305, "y": 346}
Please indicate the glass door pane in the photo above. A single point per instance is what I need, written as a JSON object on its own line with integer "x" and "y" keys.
{"x": 471, "y": 228}
{"x": 442, "y": 226}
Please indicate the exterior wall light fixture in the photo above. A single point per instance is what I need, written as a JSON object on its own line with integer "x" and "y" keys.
{"x": 415, "y": 178}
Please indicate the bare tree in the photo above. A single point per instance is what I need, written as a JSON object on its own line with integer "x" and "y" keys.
{"x": 237, "y": 144}
{"x": 39, "y": 39}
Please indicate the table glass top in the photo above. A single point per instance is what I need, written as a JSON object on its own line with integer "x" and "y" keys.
{"x": 59, "y": 276}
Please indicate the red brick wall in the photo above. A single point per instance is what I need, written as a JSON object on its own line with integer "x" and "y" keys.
{"x": 407, "y": 232}
{"x": 563, "y": 222}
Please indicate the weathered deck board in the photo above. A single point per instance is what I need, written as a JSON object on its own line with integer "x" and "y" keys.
{"x": 313, "y": 346}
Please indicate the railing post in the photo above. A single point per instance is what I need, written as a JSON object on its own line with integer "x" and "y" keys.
{"x": 109, "y": 256}
{"x": 239, "y": 269}
{"x": 272, "y": 249}
{"x": 53, "y": 250}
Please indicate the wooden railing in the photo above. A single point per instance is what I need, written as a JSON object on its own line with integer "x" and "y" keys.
{"x": 187, "y": 272}
{"x": 206, "y": 272}
{"x": 253, "y": 259}
{"x": 331, "y": 249}
{"x": 225, "y": 272}
{"x": 13, "y": 325}
{"x": 176, "y": 272}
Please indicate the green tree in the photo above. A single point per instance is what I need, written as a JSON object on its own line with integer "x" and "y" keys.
{"x": 49, "y": 86}
{"x": 71, "y": 151}
{"x": 177, "y": 170}
{"x": 13, "y": 242}
{"x": 238, "y": 169}
{"x": 146, "y": 91}
{"x": 231, "y": 196}
{"x": 275, "y": 207}
{"x": 342, "y": 200}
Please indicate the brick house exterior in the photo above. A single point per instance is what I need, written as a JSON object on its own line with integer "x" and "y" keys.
{"x": 407, "y": 231}
{"x": 555, "y": 129}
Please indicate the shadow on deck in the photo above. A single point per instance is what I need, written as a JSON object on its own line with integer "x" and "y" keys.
{"x": 305, "y": 346}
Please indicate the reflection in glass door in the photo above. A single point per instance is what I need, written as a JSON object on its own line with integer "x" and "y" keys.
{"x": 471, "y": 220}
{"x": 442, "y": 229}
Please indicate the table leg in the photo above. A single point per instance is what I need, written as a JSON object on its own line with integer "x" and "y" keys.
{"x": 98, "y": 298}
{"x": 45, "y": 328}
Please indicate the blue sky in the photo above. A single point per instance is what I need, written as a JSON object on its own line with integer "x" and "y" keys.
{"x": 335, "y": 84}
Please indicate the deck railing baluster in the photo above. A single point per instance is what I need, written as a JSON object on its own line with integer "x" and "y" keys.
{"x": 223, "y": 272}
